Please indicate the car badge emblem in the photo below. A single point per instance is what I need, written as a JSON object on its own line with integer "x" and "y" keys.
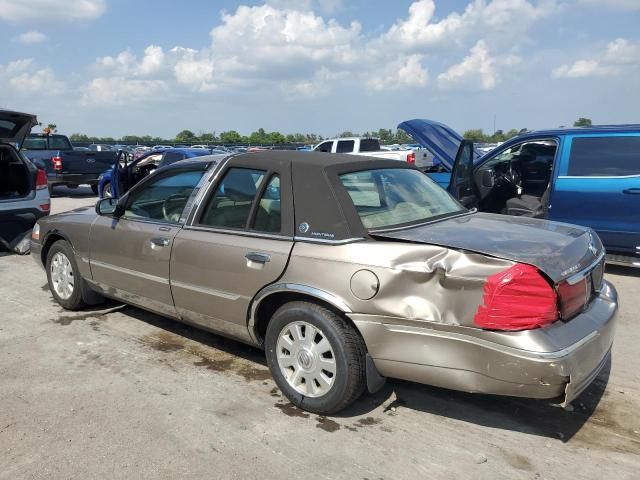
{"x": 303, "y": 227}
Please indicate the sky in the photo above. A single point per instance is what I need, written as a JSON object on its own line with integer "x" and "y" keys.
{"x": 138, "y": 67}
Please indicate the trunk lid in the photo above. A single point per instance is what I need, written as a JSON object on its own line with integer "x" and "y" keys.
{"x": 15, "y": 126}
{"x": 440, "y": 139}
{"x": 559, "y": 250}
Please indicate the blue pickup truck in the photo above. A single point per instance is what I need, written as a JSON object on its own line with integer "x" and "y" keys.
{"x": 587, "y": 176}
{"x": 64, "y": 165}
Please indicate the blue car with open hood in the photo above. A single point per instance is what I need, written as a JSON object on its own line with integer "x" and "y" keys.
{"x": 586, "y": 176}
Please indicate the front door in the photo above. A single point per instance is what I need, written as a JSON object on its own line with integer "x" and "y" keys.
{"x": 461, "y": 185}
{"x": 238, "y": 242}
{"x": 598, "y": 186}
{"x": 130, "y": 254}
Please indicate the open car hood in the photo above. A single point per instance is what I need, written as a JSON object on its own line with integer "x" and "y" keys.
{"x": 557, "y": 249}
{"x": 441, "y": 140}
{"x": 15, "y": 126}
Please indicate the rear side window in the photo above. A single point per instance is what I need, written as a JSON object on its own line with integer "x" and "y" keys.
{"x": 230, "y": 205}
{"x": 268, "y": 216}
{"x": 35, "y": 143}
{"x": 345, "y": 146}
{"x": 604, "y": 156}
{"x": 369, "y": 145}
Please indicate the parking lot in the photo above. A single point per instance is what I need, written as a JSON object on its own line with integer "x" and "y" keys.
{"x": 123, "y": 393}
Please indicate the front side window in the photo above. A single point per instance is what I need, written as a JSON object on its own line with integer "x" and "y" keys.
{"x": 230, "y": 205}
{"x": 611, "y": 156}
{"x": 325, "y": 147}
{"x": 164, "y": 198}
{"x": 59, "y": 143}
{"x": 396, "y": 196}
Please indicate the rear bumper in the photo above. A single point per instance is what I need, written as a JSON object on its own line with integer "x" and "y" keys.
{"x": 73, "y": 178}
{"x": 558, "y": 361}
{"x": 15, "y": 223}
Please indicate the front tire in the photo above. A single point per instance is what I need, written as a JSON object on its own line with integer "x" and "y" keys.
{"x": 64, "y": 279}
{"x": 316, "y": 357}
{"x": 94, "y": 188}
{"x": 106, "y": 190}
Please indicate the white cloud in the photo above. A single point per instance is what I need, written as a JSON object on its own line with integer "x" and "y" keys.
{"x": 23, "y": 77}
{"x": 120, "y": 90}
{"x": 32, "y": 37}
{"x": 152, "y": 62}
{"x": 618, "y": 4}
{"x": 50, "y": 10}
{"x": 506, "y": 20}
{"x": 404, "y": 72}
{"x": 477, "y": 71}
{"x": 620, "y": 56}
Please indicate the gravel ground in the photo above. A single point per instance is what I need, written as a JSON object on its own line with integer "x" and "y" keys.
{"x": 121, "y": 393}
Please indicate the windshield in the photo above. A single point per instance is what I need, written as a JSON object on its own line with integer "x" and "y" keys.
{"x": 393, "y": 197}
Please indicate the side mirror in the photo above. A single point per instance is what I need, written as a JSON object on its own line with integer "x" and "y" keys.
{"x": 107, "y": 206}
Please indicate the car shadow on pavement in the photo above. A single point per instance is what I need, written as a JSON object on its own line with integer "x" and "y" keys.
{"x": 83, "y": 191}
{"x": 623, "y": 270}
{"x": 536, "y": 417}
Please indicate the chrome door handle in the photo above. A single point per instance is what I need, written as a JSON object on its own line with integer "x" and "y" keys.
{"x": 257, "y": 257}
{"x": 631, "y": 191}
{"x": 160, "y": 241}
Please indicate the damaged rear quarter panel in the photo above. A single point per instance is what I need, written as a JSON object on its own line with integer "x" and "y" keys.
{"x": 417, "y": 283}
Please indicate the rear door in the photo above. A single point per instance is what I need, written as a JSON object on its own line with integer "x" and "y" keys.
{"x": 238, "y": 241}
{"x": 130, "y": 254}
{"x": 598, "y": 186}
{"x": 461, "y": 185}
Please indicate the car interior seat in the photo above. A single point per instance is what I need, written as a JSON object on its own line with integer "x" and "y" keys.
{"x": 232, "y": 208}
{"x": 528, "y": 205}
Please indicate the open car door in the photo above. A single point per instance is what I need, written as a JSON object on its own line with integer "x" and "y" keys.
{"x": 120, "y": 175}
{"x": 461, "y": 185}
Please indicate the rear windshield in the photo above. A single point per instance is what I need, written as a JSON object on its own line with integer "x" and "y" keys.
{"x": 369, "y": 145}
{"x": 394, "y": 197}
{"x": 609, "y": 156}
{"x": 52, "y": 142}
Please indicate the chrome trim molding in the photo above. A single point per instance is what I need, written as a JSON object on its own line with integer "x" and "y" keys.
{"x": 331, "y": 242}
{"x": 599, "y": 176}
{"x": 330, "y": 298}
{"x": 204, "y": 290}
{"x": 146, "y": 276}
{"x": 573, "y": 279}
{"x": 244, "y": 233}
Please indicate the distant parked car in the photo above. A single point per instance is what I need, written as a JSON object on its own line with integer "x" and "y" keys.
{"x": 24, "y": 197}
{"x": 64, "y": 165}
{"x": 587, "y": 176}
{"x": 128, "y": 171}
{"x": 369, "y": 147}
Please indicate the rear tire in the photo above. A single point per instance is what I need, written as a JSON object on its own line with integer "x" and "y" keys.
{"x": 65, "y": 282}
{"x": 316, "y": 357}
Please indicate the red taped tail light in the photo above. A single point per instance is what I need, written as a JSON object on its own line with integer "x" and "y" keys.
{"x": 574, "y": 297}
{"x": 57, "y": 163}
{"x": 411, "y": 158}
{"x": 519, "y": 298}
{"x": 41, "y": 179}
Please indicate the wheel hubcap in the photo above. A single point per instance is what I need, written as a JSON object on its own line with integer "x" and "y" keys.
{"x": 306, "y": 359}
{"x": 62, "y": 276}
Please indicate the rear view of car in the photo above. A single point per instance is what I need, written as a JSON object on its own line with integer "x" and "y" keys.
{"x": 24, "y": 198}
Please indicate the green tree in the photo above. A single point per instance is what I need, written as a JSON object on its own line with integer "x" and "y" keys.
{"x": 346, "y": 134}
{"x": 582, "y": 122}
{"x": 79, "y": 137}
{"x": 230, "y": 137}
{"x": 185, "y": 136}
{"x": 475, "y": 135}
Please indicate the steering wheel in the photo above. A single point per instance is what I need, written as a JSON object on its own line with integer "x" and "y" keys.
{"x": 173, "y": 205}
